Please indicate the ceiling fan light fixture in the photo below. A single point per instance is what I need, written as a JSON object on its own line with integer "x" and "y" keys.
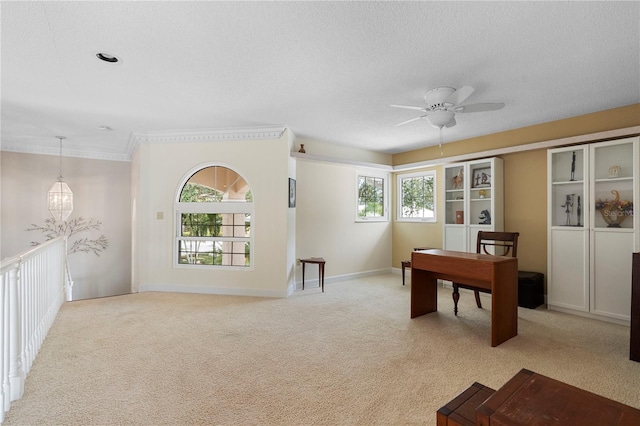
{"x": 440, "y": 119}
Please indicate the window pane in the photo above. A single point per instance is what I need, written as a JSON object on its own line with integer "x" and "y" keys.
{"x": 215, "y": 184}
{"x": 417, "y": 197}
{"x": 370, "y": 196}
{"x": 216, "y": 225}
{"x": 221, "y": 253}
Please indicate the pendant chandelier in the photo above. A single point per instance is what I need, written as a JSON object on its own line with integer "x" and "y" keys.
{"x": 60, "y": 196}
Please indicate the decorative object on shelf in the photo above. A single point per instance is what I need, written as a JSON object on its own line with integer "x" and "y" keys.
{"x": 568, "y": 208}
{"x": 614, "y": 212}
{"x": 579, "y": 211}
{"x": 302, "y": 150}
{"x": 292, "y": 192}
{"x": 481, "y": 178}
{"x": 614, "y": 171}
{"x": 60, "y": 197}
{"x": 573, "y": 166}
{"x": 457, "y": 180}
{"x": 482, "y": 193}
{"x": 485, "y": 217}
{"x": 459, "y": 217}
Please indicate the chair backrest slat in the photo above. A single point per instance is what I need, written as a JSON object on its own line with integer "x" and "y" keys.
{"x": 505, "y": 241}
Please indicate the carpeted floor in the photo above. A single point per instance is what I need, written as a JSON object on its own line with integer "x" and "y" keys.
{"x": 350, "y": 356}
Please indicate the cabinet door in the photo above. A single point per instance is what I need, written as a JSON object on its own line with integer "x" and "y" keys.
{"x": 485, "y": 195}
{"x": 568, "y": 236}
{"x": 455, "y": 238}
{"x": 568, "y": 205}
{"x": 454, "y": 194}
{"x": 613, "y": 189}
{"x": 611, "y": 274}
{"x": 568, "y": 271}
{"x": 614, "y": 233}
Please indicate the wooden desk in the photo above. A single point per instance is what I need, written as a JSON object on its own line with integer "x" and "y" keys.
{"x": 496, "y": 273}
{"x": 320, "y": 262}
{"x": 533, "y": 399}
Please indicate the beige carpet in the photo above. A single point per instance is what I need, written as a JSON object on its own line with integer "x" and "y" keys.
{"x": 350, "y": 356}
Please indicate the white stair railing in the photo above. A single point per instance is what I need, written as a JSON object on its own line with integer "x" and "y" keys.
{"x": 32, "y": 289}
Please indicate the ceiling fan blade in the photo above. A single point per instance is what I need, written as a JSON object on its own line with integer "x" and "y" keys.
{"x": 479, "y": 107}
{"x": 460, "y": 95}
{"x": 451, "y": 123}
{"x": 417, "y": 108}
{"x": 409, "y": 121}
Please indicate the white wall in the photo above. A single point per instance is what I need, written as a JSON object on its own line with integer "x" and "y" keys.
{"x": 102, "y": 191}
{"x": 326, "y": 226}
{"x": 162, "y": 164}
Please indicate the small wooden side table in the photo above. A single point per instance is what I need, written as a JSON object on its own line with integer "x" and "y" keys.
{"x": 320, "y": 262}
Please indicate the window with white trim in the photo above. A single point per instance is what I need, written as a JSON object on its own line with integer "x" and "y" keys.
{"x": 417, "y": 197}
{"x": 372, "y": 193}
{"x": 214, "y": 220}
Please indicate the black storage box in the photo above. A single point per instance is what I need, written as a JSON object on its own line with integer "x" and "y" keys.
{"x": 530, "y": 289}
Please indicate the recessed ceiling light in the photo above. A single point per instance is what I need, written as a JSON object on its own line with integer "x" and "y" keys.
{"x": 107, "y": 57}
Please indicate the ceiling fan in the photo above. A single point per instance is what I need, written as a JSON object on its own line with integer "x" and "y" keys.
{"x": 442, "y": 104}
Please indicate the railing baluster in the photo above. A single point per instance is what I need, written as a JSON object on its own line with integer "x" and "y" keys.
{"x": 32, "y": 290}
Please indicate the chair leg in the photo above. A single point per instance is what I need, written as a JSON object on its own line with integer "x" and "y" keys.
{"x": 456, "y": 297}
{"x": 478, "y": 302}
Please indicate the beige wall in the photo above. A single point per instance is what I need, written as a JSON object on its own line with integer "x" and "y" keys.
{"x": 525, "y": 181}
{"x": 161, "y": 167}
{"x": 101, "y": 191}
{"x": 410, "y": 235}
{"x": 326, "y": 223}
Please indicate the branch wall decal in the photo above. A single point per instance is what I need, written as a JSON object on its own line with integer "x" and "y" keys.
{"x": 52, "y": 229}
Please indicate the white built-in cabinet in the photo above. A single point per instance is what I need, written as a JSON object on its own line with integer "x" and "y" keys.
{"x": 590, "y": 243}
{"x": 472, "y": 189}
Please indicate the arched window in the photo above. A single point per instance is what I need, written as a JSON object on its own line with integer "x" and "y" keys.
{"x": 214, "y": 213}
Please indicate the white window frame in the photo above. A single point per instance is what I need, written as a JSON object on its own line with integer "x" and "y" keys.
{"x": 385, "y": 191}
{"x": 226, "y": 207}
{"x": 399, "y": 195}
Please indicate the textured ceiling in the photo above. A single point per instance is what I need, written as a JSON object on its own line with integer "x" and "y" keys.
{"x": 326, "y": 70}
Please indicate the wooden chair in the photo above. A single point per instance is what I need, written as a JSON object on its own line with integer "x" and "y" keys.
{"x": 493, "y": 243}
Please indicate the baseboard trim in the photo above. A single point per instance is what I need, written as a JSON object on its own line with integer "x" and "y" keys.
{"x": 176, "y": 288}
{"x": 344, "y": 277}
{"x": 197, "y": 289}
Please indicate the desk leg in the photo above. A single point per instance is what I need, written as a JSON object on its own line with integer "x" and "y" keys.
{"x": 303, "y": 263}
{"x": 504, "y": 303}
{"x": 424, "y": 293}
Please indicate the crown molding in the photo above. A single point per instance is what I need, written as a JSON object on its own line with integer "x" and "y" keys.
{"x": 209, "y": 135}
{"x": 173, "y": 136}
{"x": 202, "y": 135}
{"x": 91, "y": 155}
